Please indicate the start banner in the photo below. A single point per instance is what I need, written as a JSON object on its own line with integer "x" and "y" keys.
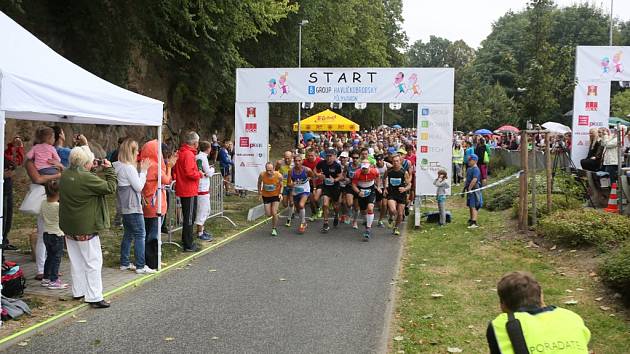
{"x": 251, "y": 145}
{"x": 369, "y": 85}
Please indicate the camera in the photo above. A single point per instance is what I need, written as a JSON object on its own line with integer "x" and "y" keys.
{"x": 98, "y": 162}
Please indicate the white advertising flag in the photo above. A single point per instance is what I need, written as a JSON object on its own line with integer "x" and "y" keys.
{"x": 434, "y": 150}
{"x": 251, "y": 145}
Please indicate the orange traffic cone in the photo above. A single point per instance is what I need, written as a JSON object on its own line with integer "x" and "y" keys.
{"x": 612, "y": 200}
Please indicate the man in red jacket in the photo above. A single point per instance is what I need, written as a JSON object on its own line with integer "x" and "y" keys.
{"x": 187, "y": 177}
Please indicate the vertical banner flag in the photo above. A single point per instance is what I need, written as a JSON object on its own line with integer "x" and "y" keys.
{"x": 595, "y": 68}
{"x": 251, "y": 145}
{"x": 434, "y": 150}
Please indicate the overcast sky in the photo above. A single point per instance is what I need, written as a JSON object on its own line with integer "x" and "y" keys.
{"x": 471, "y": 20}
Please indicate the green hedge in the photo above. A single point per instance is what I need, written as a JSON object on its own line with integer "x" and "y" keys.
{"x": 558, "y": 202}
{"x": 616, "y": 270}
{"x": 585, "y": 227}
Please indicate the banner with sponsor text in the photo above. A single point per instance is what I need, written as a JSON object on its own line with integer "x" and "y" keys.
{"x": 369, "y": 85}
{"x": 251, "y": 144}
{"x": 595, "y": 68}
{"x": 434, "y": 145}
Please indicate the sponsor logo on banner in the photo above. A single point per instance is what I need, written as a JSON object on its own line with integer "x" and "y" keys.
{"x": 614, "y": 68}
{"x": 425, "y": 112}
{"x": 581, "y": 142}
{"x": 592, "y": 90}
{"x": 242, "y": 164}
{"x": 591, "y": 106}
{"x": 407, "y": 85}
{"x": 424, "y": 149}
{"x": 251, "y": 127}
{"x": 251, "y": 112}
{"x": 583, "y": 120}
{"x": 596, "y": 124}
{"x": 424, "y": 124}
{"x": 243, "y": 142}
{"x": 245, "y": 155}
{"x": 424, "y": 136}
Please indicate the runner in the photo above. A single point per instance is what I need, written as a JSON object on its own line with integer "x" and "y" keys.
{"x": 381, "y": 201}
{"x": 366, "y": 183}
{"x": 311, "y": 162}
{"x": 299, "y": 182}
{"x": 408, "y": 167}
{"x": 397, "y": 184}
{"x": 351, "y": 197}
{"x": 284, "y": 166}
{"x": 330, "y": 172}
{"x": 270, "y": 186}
{"x": 343, "y": 184}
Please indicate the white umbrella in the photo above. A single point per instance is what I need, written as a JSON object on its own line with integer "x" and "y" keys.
{"x": 383, "y": 126}
{"x": 556, "y": 127}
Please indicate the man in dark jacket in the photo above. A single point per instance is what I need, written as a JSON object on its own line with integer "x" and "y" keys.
{"x": 187, "y": 177}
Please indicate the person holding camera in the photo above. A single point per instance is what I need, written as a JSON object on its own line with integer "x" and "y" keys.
{"x": 129, "y": 198}
{"x": 83, "y": 214}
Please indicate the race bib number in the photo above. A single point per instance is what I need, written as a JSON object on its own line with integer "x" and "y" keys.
{"x": 269, "y": 187}
{"x": 298, "y": 189}
{"x": 350, "y": 174}
{"x": 329, "y": 181}
{"x": 395, "y": 181}
{"x": 366, "y": 192}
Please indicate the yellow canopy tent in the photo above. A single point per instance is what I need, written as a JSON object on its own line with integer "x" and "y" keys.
{"x": 327, "y": 121}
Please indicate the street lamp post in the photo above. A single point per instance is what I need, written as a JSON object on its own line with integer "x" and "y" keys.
{"x": 611, "y": 22}
{"x": 302, "y": 23}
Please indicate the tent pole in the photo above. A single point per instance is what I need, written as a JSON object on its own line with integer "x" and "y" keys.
{"x": 159, "y": 196}
{"x": 2, "y": 124}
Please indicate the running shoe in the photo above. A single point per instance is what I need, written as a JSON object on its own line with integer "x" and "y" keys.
{"x": 320, "y": 212}
{"x": 145, "y": 270}
{"x": 288, "y": 223}
{"x": 366, "y": 236}
{"x": 406, "y": 211}
{"x": 131, "y": 267}
{"x": 302, "y": 228}
{"x": 346, "y": 220}
{"x": 325, "y": 228}
{"x": 473, "y": 226}
{"x": 396, "y": 231}
{"x": 57, "y": 285}
{"x": 336, "y": 221}
{"x": 205, "y": 237}
{"x": 45, "y": 282}
{"x": 355, "y": 225}
{"x": 311, "y": 218}
{"x": 381, "y": 223}
{"x": 390, "y": 222}
{"x": 274, "y": 232}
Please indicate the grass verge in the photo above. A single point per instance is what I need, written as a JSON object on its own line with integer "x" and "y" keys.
{"x": 464, "y": 266}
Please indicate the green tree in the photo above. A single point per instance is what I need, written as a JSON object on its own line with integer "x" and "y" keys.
{"x": 620, "y": 105}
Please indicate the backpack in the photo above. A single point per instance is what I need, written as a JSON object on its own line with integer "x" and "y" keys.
{"x": 13, "y": 281}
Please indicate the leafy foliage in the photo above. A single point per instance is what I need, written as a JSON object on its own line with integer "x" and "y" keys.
{"x": 621, "y": 104}
{"x": 585, "y": 227}
{"x": 616, "y": 270}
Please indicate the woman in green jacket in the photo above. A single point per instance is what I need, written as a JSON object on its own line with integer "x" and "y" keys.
{"x": 82, "y": 214}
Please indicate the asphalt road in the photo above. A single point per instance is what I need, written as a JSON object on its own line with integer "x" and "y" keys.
{"x": 311, "y": 293}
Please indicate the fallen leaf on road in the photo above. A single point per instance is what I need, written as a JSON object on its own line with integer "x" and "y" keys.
{"x": 282, "y": 279}
{"x": 23, "y": 344}
{"x": 553, "y": 248}
{"x": 399, "y": 338}
{"x": 214, "y": 338}
{"x": 392, "y": 283}
{"x": 604, "y": 308}
{"x": 212, "y": 270}
{"x": 454, "y": 350}
{"x": 571, "y": 302}
{"x": 81, "y": 321}
{"x": 599, "y": 299}
{"x": 436, "y": 295}
{"x": 169, "y": 339}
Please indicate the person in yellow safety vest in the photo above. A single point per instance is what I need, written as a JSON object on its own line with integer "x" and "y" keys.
{"x": 458, "y": 163}
{"x": 528, "y": 326}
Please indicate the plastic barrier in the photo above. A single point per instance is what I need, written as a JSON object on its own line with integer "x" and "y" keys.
{"x": 173, "y": 218}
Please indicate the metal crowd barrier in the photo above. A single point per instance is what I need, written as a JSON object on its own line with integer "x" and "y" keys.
{"x": 173, "y": 219}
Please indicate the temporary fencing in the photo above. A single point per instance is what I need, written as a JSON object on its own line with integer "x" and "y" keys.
{"x": 173, "y": 218}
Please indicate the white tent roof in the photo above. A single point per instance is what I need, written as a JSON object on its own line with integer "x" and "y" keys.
{"x": 36, "y": 83}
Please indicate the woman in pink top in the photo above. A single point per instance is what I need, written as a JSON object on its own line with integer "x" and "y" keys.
{"x": 43, "y": 153}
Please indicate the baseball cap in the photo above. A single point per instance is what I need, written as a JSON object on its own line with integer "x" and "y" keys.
{"x": 473, "y": 157}
{"x": 344, "y": 154}
{"x": 402, "y": 151}
{"x": 330, "y": 152}
{"x": 391, "y": 150}
{"x": 378, "y": 156}
{"x": 365, "y": 165}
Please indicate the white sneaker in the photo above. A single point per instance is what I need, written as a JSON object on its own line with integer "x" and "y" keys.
{"x": 145, "y": 270}
{"x": 473, "y": 226}
{"x": 131, "y": 267}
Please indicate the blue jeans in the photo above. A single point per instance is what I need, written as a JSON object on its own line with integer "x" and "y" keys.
{"x": 133, "y": 225}
{"x": 54, "y": 252}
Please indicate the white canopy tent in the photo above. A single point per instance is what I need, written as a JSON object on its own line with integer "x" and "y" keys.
{"x": 36, "y": 83}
